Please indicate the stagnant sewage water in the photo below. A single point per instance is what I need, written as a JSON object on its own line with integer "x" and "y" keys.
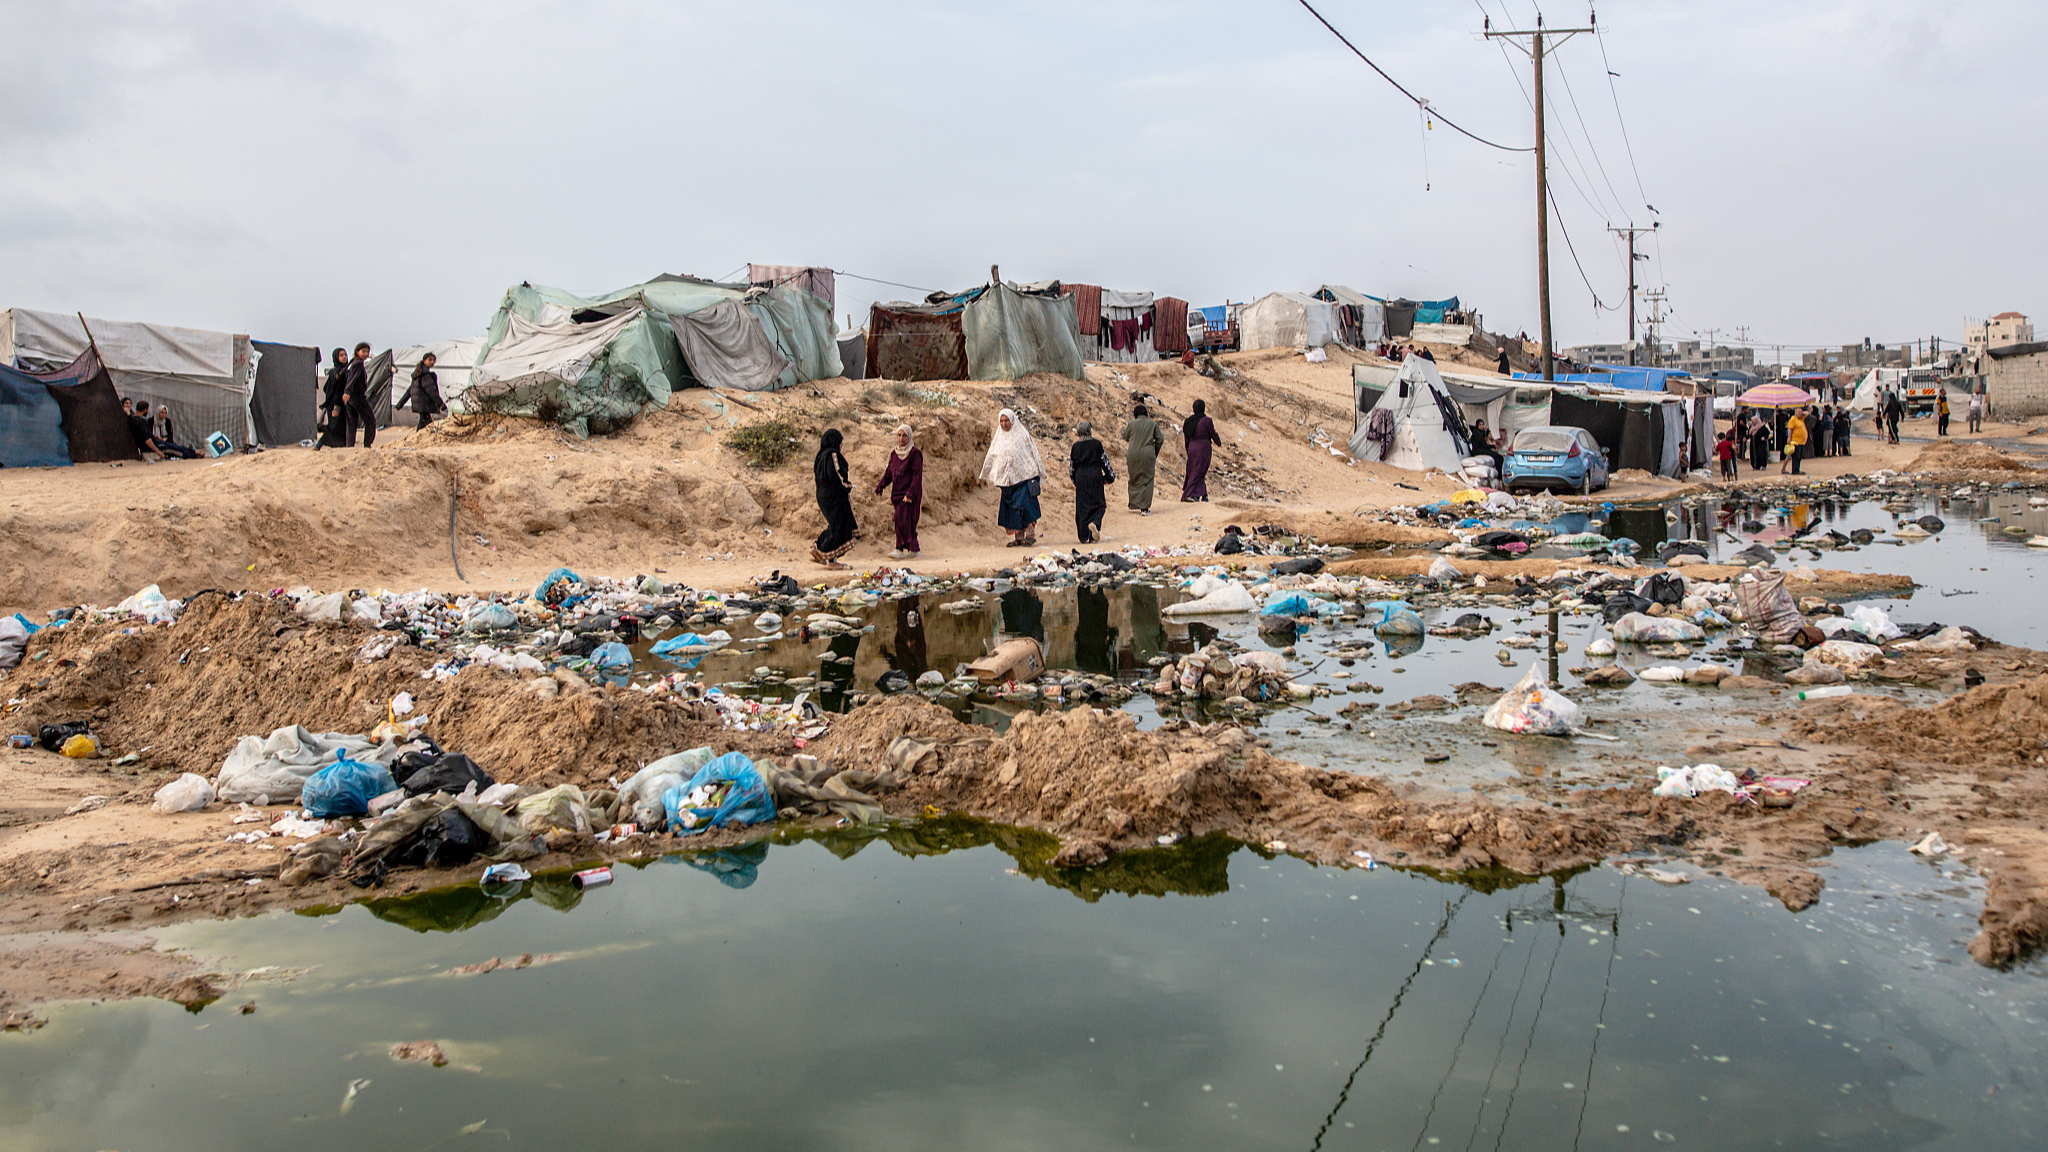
{"x": 942, "y": 985}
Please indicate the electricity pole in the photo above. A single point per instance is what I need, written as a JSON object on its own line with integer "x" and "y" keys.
{"x": 1535, "y": 51}
{"x": 1656, "y": 300}
{"x": 1631, "y": 233}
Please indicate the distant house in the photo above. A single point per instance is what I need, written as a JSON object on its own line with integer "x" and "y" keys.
{"x": 2016, "y": 381}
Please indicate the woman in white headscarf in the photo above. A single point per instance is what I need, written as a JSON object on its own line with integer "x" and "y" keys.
{"x": 1014, "y": 465}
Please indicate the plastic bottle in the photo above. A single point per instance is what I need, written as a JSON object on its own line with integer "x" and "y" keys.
{"x": 1824, "y": 693}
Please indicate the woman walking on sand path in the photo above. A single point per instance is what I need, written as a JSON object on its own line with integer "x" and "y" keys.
{"x": 1200, "y": 433}
{"x": 1089, "y": 469}
{"x": 1143, "y": 440}
{"x": 1014, "y": 465}
{"x": 835, "y": 500}
{"x": 1759, "y": 442}
{"x": 904, "y": 478}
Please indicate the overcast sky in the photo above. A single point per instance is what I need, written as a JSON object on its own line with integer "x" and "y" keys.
{"x": 319, "y": 173}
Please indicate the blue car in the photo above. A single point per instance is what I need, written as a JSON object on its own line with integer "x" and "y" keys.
{"x": 1554, "y": 457}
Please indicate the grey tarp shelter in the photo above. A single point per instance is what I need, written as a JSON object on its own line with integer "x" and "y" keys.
{"x": 204, "y": 377}
{"x": 284, "y": 404}
{"x": 1004, "y": 331}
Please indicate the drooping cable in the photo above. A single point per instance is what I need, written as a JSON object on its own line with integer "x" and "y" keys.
{"x": 1412, "y": 97}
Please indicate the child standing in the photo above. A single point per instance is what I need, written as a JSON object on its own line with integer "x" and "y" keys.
{"x": 1725, "y": 449}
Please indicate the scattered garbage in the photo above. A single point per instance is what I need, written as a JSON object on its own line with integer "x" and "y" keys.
{"x": 1533, "y": 707}
{"x": 591, "y": 878}
{"x": 1020, "y": 660}
{"x": 728, "y": 792}
{"x": 1221, "y": 597}
{"x": 80, "y": 747}
{"x": 273, "y": 769}
{"x": 190, "y": 792}
{"x": 1929, "y": 845}
{"x": 1636, "y": 628}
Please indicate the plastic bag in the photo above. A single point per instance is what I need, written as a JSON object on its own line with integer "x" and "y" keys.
{"x": 612, "y": 662}
{"x": 1442, "y": 569}
{"x": 80, "y": 747}
{"x": 14, "y": 633}
{"x": 1636, "y": 628}
{"x": 273, "y": 769}
{"x": 151, "y": 604}
{"x": 1949, "y": 639}
{"x": 642, "y": 794}
{"x": 1664, "y": 588}
{"x": 488, "y": 617}
{"x": 1847, "y": 655}
{"x": 740, "y": 793}
{"x": 53, "y": 736}
{"x": 1226, "y": 596}
{"x": 447, "y": 840}
{"x": 450, "y": 774}
{"x": 1396, "y": 618}
{"x": 1300, "y": 604}
{"x": 686, "y": 648}
{"x": 188, "y": 793}
{"x": 1768, "y": 608}
{"x": 1689, "y": 782}
{"x": 1534, "y": 707}
{"x": 345, "y": 788}
{"x": 561, "y": 807}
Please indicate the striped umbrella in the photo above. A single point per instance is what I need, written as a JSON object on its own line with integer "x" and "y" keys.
{"x": 1775, "y": 395}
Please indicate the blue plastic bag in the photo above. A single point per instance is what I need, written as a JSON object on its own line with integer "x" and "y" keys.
{"x": 747, "y": 802}
{"x": 546, "y": 593}
{"x": 613, "y": 663}
{"x": 1396, "y": 618}
{"x": 1300, "y": 604}
{"x": 686, "y": 648}
{"x": 345, "y": 788}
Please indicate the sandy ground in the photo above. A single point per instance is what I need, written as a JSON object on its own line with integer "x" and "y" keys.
{"x": 667, "y": 497}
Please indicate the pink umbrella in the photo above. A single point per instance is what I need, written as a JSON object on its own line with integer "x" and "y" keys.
{"x": 1776, "y": 395}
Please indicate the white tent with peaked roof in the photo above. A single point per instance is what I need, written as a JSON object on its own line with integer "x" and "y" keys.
{"x": 1420, "y": 415}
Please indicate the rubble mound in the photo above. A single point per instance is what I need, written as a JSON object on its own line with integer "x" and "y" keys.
{"x": 1958, "y": 456}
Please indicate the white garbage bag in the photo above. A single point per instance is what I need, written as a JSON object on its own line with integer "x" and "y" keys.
{"x": 1534, "y": 707}
{"x": 273, "y": 769}
{"x": 1228, "y": 596}
{"x": 1636, "y": 628}
{"x": 188, "y": 793}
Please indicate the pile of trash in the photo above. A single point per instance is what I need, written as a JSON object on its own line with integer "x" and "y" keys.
{"x": 1239, "y": 679}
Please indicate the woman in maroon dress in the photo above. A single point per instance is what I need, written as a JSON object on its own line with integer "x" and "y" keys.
{"x": 1200, "y": 434}
{"x": 904, "y": 478}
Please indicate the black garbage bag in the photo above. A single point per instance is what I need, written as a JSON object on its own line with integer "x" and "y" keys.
{"x": 451, "y": 774}
{"x": 53, "y": 736}
{"x": 1862, "y": 535}
{"x": 1664, "y": 588}
{"x": 1752, "y": 525}
{"x": 1931, "y": 523}
{"x": 1499, "y": 538}
{"x": 1472, "y": 622}
{"x": 1114, "y": 561}
{"x": 416, "y": 759}
{"x": 574, "y": 645}
{"x": 1620, "y": 604}
{"x": 1755, "y": 554}
{"x": 1302, "y": 566}
{"x": 893, "y": 681}
{"x": 779, "y": 585}
{"x": 1230, "y": 545}
{"x": 447, "y": 840}
{"x": 1680, "y": 548}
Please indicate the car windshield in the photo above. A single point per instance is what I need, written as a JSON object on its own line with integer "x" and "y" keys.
{"x": 1543, "y": 440}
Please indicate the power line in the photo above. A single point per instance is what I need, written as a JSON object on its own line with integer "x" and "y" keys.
{"x": 1418, "y": 101}
{"x": 1575, "y": 254}
{"x": 1562, "y": 75}
{"x": 1612, "y": 91}
{"x": 890, "y": 283}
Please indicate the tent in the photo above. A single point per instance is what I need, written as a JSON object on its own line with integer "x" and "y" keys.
{"x": 284, "y": 402}
{"x": 205, "y": 378}
{"x": 95, "y": 428}
{"x": 1872, "y": 386}
{"x": 1000, "y": 331}
{"x": 819, "y": 282}
{"x": 853, "y": 354}
{"x": 1625, "y": 377}
{"x": 1361, "y": 320}
{"x": 1124, "y": 333}
{"x": 1415, "y": 423}
{"x": 454, "y": 365}
{"x": 592, "y": 364}
{"x": 1287, "y": 320}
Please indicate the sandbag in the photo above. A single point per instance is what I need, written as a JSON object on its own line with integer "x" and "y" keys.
{"x": 1636, "y": 628}
{"x": 729, "y": 792}
{"x": 1767, "y": 607}
{"x": 1533, "y": 707}
{"x": 345, "y": 788}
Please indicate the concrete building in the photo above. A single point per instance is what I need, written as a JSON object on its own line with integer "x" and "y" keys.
{"x": 1688, "y": 356}
{"x": 1997, "y": 332}
{"x": 1852, "y": 357}
{"x": 1600, "y": 354}
{"x": 2016, "y": 380}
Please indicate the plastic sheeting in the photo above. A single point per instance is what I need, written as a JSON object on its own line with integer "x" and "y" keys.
{"x": 284, "y": 405}
{"x": 819, "y": 282}
{"x": 914, "y": 342}
{"x": 95, "y": 428}
{"x": 454, "y": 365}
{"x": 31, "y": 424}
{"x": 1287, "y": 320}
{"x": 1011, "y": 333}
{"x": 727, "y": 348}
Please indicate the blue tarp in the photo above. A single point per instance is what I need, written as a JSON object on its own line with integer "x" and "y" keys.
{"x": 31, "y": 424}
{"x": 1617, "y": 376}
{"x": 1216, "y": 316}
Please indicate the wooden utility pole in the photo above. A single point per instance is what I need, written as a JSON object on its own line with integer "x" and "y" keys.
{"x": 1535, "y": 50}
{"x": 1632, "y": 233}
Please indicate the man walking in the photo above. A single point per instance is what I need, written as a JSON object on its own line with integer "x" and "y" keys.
{"x": 1976, "y": 411}
{"x": 356, "y": 400}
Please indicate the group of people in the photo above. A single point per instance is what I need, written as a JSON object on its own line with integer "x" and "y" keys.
{"x": 1807, "y": 432}
{"x": 1014, "y": 465}
{"x": 153, "y": 433}
{"x": 345, "y": 409}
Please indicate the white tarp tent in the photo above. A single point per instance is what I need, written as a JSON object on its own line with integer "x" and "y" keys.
{"x": 537, "y": 355}
{"x": 1287, "y": 320}
{"x": 1371, "y": 314}
{"x": 1412, "y": 423}
{"x": 454, "y": 361}
{"x": 1873, "y": 385}
{"x": 206, "y": 378}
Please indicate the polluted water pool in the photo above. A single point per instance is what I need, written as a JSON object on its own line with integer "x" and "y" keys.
{"x": 941, "y": 986}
